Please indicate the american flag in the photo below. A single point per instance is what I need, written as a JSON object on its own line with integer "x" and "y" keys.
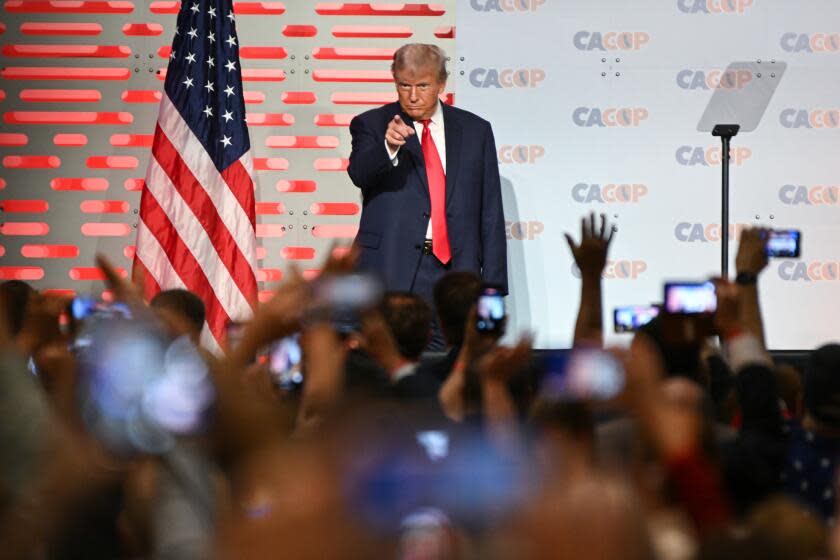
{"x": 197, "y": 213}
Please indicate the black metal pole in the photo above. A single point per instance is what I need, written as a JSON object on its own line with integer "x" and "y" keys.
{"x": 724, "y": 220}
{"x": 726, "y": 132}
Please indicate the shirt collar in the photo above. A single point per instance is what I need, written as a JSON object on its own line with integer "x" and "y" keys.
{"x": 437, "y": 117}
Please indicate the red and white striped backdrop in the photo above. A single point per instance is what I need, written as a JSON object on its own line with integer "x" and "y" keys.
{"x": 79, "y": 91}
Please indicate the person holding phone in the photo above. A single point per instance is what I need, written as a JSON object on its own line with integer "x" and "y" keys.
{"x": 430, "y": 184}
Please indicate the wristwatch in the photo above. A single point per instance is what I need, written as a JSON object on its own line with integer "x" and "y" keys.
{"x": 746, "y": 278}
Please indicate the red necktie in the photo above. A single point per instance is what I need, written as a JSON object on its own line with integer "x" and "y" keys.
{"x": 437, "y": 195}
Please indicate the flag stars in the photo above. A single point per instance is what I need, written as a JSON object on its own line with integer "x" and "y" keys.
{"x": 209, "y": 87}
{"x": 231, "y": 65}
{"x": 190, "y": 58}
{"x": 172, "y": 55}
{"x": 188, "y": 82}
{"x": 230, "y": 16}
{"x": 211, "y": 12}
{"x": 228, "y": 116}
{"x": 229, "y": 91}
{"x": 208, "y": 111}
{"x": 211, "y": 62}
{"x": 231, "y": 41}
{"x": 212, "y": 37}
{"x": 226, "y": 141}
{"x": 194, "y": 8}
{"x": 193, "y": 32}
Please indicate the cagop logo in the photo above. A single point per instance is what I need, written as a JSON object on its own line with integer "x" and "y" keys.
{"x": 817, "y": 195}
{"x": 813, "y": 43}
{"x": 803, "y": 118}
{"x": 624, "y": 193}
{"x": 714, "y": 6}
{"x": 713, "y": 79}
{"x": 624, "y": 269}
{"x": 523, "y": 231}
{"x": 624, "y": 117}
{"x": 528, "y": 154}
{"x": 688, "y": 232}
{"x": 815, "y": 271}
{"x": 691, "y": 156}
{"x": 610, "y": 41}
{"x": 506, "y": 6}
{"x": 506, "y": 78}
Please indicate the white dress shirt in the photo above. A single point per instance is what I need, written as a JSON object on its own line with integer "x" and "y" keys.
{"x": 436, "y": 126}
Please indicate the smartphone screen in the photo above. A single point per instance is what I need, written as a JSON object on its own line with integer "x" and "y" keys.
{"x": 630, "y": 318}
{"x": 690, "y": 298}
{"x": 581, "y": 375}
{"x": 285, "y": 363}
{"x": 490, "y": 311}
{"x": 784, "y": 243}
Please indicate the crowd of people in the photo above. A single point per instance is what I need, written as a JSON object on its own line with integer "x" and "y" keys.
{"x": 330, "y": 433}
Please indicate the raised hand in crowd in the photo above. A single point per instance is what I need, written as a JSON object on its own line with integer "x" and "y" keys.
{"x": 750, "y": 261}
{"x": 475, "y": 345}
{"x": 590, "y": 256}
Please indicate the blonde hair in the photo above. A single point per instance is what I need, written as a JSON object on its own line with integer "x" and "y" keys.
{"x": 415, "y": 56}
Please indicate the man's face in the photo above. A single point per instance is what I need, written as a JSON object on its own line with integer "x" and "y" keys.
{"x": 418, "y": 91}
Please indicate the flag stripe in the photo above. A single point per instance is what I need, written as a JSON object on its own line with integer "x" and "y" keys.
{"x": 194, "y": 237}
{"x": 240, "y": 174}
{"x": 183, "y": 263}
{"x": 203, "y": 169}
{"x": 202, "y": 207}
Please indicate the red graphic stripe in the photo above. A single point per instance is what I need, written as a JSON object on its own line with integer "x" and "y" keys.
{"x": 79, "y": 184}
{"x": 70, "y": 140}
{"x": 63, "y": 73}
{"x": 27, "y": 273}
{"x": 304, "y": 142}
{"x": 285, "y": 185}
{"x": 51, "y": 28}
{"x": 104, "y": 207}
{"x": 112, "y": 162}
{"x": 61, "y": 95}
{"x": 9, "y": 139}
{"x": 373, "y": 76}
{"x": 354, "y": 9}
{"x": 300, "y": 30}
{"x": 270, "y": 208}
{"x": 49, "y": 251}
{"x": 67, "y": 117}
{"x": 297, "y": 253}
{"x": 132, "y": 140}
{"x": 105, "y": 229}
{"x": 372, "y": 31}
{"x": 59, "y": 51}
{"x": 334, "y": 208}
{"x": 269, "y": 119}
{"x": 352, "y": 53}
{"x": 142, "y": 29}
{"x": 24, "y": 206}
{"x": 333, "y": 120}
{"x": 24, "y": 228}
{"x": 31, "y": 162}
{"x": 141, "y": 96}
{"x": 271, "y": 164}
{"x": 68, "y": 7}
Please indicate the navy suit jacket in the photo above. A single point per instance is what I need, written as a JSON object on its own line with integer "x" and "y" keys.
{"x": 396, "y": 205}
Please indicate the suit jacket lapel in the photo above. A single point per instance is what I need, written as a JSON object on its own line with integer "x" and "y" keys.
{"x": 454, "y": 135}
{"x": 412, "y": 146}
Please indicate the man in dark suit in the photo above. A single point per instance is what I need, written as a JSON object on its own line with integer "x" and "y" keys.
{"x": 430, "y": 184}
